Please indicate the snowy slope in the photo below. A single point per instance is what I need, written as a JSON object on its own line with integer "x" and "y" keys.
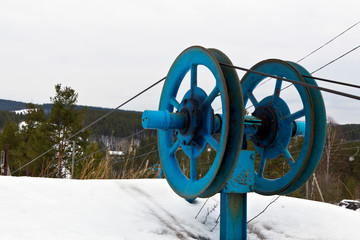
{"x": 35, "y": 208}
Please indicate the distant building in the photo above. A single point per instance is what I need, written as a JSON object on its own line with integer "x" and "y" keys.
{"x": 116, "y": 153}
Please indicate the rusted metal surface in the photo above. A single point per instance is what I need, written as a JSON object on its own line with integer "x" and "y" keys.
{"x": 243, "y": 177}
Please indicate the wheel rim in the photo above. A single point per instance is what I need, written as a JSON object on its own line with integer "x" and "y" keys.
{"x": 271, "y": 146}
{"x": 221, "y": 168}
{"x": 319, "y": 130}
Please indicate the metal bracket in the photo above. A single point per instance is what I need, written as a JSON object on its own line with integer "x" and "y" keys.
{"x": 243, "y": 177}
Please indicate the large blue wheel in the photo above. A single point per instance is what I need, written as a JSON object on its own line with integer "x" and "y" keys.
{"x": 200, "y": 123}
{"x": 274, "y": 135}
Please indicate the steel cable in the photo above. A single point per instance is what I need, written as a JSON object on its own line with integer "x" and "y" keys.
{"x": 327, "y": 64}
{"x": 293, "y": 81}
{"x": 311, "y": 53}
{"x": 94, "y": 122}
{"x": 328, "y": 42}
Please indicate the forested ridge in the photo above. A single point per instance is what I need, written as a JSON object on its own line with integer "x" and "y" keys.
{"x": 119, "y": 124}
{"x": 123, "y": 123}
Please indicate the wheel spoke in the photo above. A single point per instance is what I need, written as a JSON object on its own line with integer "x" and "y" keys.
{"x": 288, "y": 157}
{"x": 253, "y": 100}
{"x": 213, "y": 143}
{"x": 277, "y": 89}
{"x": 193, "y": 76}
{"x": 214, "y": 93}
{"x": 262, "y": 164}
{"x": 296, "y": 115}
{"x": 174, "y": 102}
{"x": 174, "y": 147}
{"x": 193, "y": 167}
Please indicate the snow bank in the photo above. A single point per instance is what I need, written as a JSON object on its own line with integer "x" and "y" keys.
{"x": 35, "y": 208}
{"x": 22, "y": 111}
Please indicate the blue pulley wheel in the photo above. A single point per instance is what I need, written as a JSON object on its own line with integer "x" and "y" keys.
{"x": 189, "y": 125}
{"x": 277, "y": 126}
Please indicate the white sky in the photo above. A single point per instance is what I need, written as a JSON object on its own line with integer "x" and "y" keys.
{"x": 110, "y": 50}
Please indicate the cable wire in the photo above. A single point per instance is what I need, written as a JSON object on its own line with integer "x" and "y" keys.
{"x": 306, "y": 56}
{"x": 121, "y": 105}
{"x": 264, "y": 209}
{"x": 105, "y": 147}
{"x": 333, "y": 81}
{"x": 94, "y": 122}
{"x": 327, "y": 64}
{"x": 124, "y": 159}
{"x": 336, "y": 59}
{"x": 328, "y": 42}
{"x": 293, "y": 81}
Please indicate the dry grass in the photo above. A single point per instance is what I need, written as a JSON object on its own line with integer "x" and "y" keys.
{"x": 91, "y": 170}
{"x": 104, "y": 170}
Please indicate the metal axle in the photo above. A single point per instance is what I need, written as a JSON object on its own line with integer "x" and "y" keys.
{"x": 164, "y": 120}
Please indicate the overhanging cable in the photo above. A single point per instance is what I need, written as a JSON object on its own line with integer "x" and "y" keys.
{"x": 94, "y": 122}
{"x": 133, "y": 158}
{"x": 336, "y": 59}
{"x": 333, "y": 81}
{"x": 121, "y": 105}
{"x": 327, "y": 64}
{"x": 328, "y": 42}
{"x": 105, "y": 147}
{"x": 316, "y": 49}
{"x": 292, "y": 81}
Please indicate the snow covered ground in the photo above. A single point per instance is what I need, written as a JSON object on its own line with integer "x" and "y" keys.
{"x": 35, "y": 208}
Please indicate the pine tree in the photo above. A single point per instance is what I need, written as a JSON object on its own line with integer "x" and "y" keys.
{"x": 35, "y": 139}
{"x": 10, "y": 135}
{"x": 64, "y": 121}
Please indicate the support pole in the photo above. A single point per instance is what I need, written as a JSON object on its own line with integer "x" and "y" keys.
{"x": 307, "y": 189}
{"x": 6, "y": 159}
{"x": 318, "y": 188}
{"x": 72, "y": 161}
{"x": 233, "y": 217}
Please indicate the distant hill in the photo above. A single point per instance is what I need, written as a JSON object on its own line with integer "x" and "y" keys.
{"x": 350, "y": 132}
{"x": 119, "y": 124}
{"x": 9, "y": 105}
{"x": 123, "y": 123}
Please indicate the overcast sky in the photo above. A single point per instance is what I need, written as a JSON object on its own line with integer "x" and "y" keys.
{"x": 110, "y": 50}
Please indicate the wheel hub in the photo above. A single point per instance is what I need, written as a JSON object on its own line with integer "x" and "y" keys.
{"x": 274, "y": 131}
{"x": 268, "y": 128}
{"x": 197, "y": 122}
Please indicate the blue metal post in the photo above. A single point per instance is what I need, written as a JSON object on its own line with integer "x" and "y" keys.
{"x": 233, "y": 216}
{"x": 233, "y": 198}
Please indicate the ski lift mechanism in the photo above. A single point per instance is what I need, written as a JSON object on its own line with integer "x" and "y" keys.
{"x": 191, "y": 123}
